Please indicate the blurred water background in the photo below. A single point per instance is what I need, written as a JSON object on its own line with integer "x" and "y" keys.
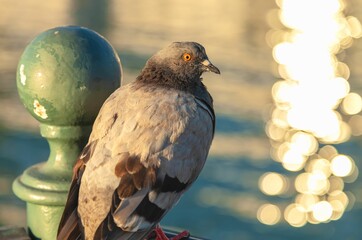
{"x": 268, "y": 176}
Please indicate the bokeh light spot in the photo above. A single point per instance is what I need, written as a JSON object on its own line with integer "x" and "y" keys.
{"x": 272, "y": 183}
{"x": 341, "y": 165}
{"x": 269, "y": 214}
{"x": 293, "y": 160}
{"x": 352, "y": 104}
{"x": 339, "y": 196}
{"x": 305, "y": 143}
{"x": 322, "y": 211}
{"x": 319, "y": 166}
{"x": 355, "y": 122}
{"x": 307, "y": 201}
{"x": 295, "y": 215}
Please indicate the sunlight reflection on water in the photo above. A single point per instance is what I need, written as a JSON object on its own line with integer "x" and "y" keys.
{"x": 306, "y": 114}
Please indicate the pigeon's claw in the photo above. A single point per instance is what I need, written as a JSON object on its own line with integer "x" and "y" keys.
{"x": 182, "y": 236}
{"x": 160, "y": 235}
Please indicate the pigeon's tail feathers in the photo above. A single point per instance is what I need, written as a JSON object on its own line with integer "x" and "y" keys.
{"x": 70, "y": 230}
{"x": 109, "y": 230}
{"x": 70, "y": 227}
{"x": 129, "y": 235}
{"x": 119, "y": 234}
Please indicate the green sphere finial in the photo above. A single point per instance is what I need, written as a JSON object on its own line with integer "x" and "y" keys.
{"x": 64, "y": 76}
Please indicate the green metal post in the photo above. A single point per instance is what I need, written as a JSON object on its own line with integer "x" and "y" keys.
{"x": 64, "y": 76}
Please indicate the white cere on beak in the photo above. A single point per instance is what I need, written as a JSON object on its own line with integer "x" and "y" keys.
{"x": 206, "y": 63}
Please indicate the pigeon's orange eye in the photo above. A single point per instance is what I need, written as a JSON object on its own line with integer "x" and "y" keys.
{"x": 186, "y": 57}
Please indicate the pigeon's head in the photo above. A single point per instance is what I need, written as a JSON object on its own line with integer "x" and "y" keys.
{"x": 182, "y": 62}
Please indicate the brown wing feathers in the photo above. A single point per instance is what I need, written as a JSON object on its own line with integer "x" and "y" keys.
{"x": 133, "y": 175}
{"x": 70, "y": 226}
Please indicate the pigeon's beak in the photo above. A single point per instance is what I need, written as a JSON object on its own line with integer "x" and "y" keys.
{"x": 208, "y": 66}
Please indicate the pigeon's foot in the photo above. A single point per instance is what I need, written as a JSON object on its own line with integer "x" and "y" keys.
{"x": 160, "y": 235}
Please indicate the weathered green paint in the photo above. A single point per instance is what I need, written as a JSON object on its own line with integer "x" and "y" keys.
{"x": 64, "y": 76}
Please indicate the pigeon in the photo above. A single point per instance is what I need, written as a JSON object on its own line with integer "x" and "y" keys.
{"x": 148, "y": 145}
